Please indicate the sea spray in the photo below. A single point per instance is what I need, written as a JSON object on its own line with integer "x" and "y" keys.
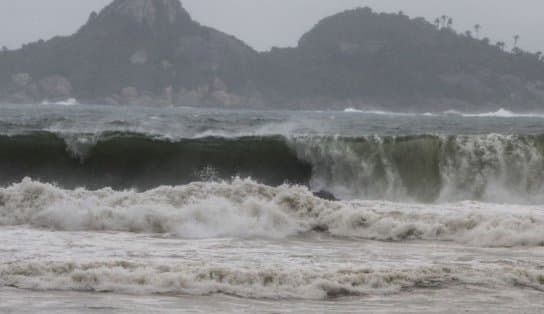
{"x": 243, "y": 208}
{"x": 427, "y": 168}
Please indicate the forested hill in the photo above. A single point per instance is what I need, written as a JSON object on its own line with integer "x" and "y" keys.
{"x": 133, "y": 51}
{"x": 150, "y": 52}
{"x": 391, "y": 59}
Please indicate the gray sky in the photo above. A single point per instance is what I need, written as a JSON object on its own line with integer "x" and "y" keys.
{"x": 266, "y": 23}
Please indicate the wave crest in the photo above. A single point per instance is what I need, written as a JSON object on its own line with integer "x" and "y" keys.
{"x": 243, "y": 208}
{"x": 422, "y": 168}
{"x": 269, "y": 282}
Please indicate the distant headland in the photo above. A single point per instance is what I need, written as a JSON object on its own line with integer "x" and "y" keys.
{"x": 150, "y": 52}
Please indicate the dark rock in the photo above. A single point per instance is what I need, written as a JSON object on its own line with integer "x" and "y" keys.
{"x": 321, "y": 228}
{"x": 326, "y": 195}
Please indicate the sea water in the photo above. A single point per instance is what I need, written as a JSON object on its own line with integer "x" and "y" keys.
{"x": 138, "y": 210}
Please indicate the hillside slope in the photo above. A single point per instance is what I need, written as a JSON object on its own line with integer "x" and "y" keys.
{"x": 135, "y": 51}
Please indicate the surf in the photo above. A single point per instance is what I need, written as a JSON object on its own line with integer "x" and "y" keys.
{"x": 244, "y": 208}
{"x": 418, "y": 168}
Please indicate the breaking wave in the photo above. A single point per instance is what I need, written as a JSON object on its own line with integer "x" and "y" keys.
{"x": 501, "y": 113}
{"x": 379, "y": 112}
{"x": 67, "y": 102}
{"x": 424, "y": 168}
{"x": 428, "y": 168}
{"x": 268, "y": 282}
{"x": 243, "y": 208}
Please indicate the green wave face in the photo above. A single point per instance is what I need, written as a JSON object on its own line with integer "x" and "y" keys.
{"x": 124, "y": 161}
{"x": 426, "y": 168}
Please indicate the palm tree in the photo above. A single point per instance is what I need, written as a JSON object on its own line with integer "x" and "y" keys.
{"x": 437, "y": 22}
{"x": 444, "y": 20}
{"x": 477, "y": 29}
{"x": 516, "y": 40}
{"x": 450, "y": 22}
{"x": 468, "y": 34}
{"x": 501, "y": 45}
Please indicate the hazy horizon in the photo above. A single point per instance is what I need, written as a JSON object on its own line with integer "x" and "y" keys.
{"x": 267, "y": 23}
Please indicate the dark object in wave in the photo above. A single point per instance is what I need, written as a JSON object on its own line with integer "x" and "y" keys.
{"x": 326, "y": 195}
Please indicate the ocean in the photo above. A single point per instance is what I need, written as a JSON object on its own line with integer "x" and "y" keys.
{"x": 182, "y": 210}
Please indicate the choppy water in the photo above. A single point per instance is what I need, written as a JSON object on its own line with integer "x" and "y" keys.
{"x": 125, "y": 210}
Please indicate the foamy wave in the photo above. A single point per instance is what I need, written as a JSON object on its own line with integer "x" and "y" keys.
{"x": 244, "y": 208}
{"x": 490, "y": 167}
{"x": 269, "y": 282}
{"x": 67, "y": 102}
{"x": 378, "y": 112}
{"x": 501, "y": 113}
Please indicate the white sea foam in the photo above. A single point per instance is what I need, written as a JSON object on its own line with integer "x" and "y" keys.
{"x": 246, "y": 209}
{"x": 379, "y": 112}
{"x": 275, "y": 282}
{"x": 67, "y": 102}
{"x": 491, "y": 167}
{"x": 501, "y": 113}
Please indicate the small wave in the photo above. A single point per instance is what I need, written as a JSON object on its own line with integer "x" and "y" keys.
{"x": 378, "y": 112}
{"x": 67, "y": 102}
{"x": 268, "y": 282}
{"x": 501, "y": 113}
{"x": 353, "y": 110}
{"x": 243, "y": 208}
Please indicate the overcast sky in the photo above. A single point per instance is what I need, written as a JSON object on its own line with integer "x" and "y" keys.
{"x": 267, "y": 23}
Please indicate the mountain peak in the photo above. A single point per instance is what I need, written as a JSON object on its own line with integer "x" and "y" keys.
{"x": 148, "y": 11}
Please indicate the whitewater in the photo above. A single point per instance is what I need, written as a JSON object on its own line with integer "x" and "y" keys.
{"x": 138, "y": 210}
